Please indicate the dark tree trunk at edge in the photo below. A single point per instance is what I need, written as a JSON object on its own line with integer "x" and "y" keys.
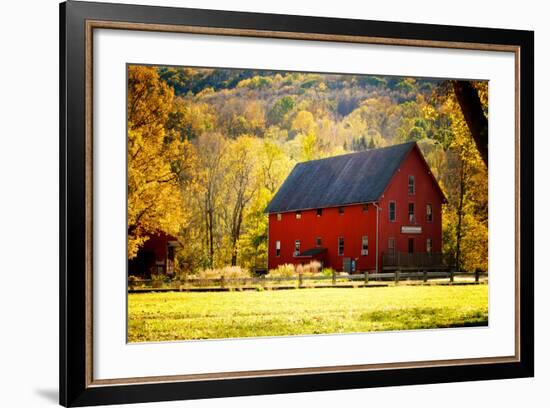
{"x": 470, "y": 104}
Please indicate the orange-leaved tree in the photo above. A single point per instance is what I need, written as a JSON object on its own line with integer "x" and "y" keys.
{"x": 157, "y": 157}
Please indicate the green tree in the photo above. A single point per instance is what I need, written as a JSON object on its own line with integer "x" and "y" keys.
{"x": 280, "y": 110}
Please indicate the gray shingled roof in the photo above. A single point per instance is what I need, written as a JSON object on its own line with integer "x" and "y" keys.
{"x": 347, "y": 179}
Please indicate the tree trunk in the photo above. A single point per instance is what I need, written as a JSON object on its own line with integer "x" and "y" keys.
{"x": 460, "y": 211}
{"x": 235, "y": 237}
{"x": 209, "y": 231}
{"x": 471, "y": 107}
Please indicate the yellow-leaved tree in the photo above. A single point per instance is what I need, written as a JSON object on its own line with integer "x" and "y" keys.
{"x": 465, "y": 220}
{"x": 157, "y": 157}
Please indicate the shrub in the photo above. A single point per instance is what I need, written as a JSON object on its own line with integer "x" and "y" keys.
{"x": 181, "y": 275}
{"x": 311, "y": 268}
{"x": 290, "y": 270}
{"x": 327, "y": 271}
{"x": 227, "y": 272}
{"x": 282, "y": 271}
{"x": 158, "y": 280}
{"x": 235, "y": 272}
{"x": 132, "y": 281}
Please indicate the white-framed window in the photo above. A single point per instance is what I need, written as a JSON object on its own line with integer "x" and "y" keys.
{"x": 340, "y": 210}
{"x": 391, "y": 211}
{"x": 429, "y": 212}
{"x": 318, "y": 241}
{"x": 340, "y": 246}
{"x": 365, "y": 208}
{"x": 298, "y": 215}
{"x": 297, "y": 247}
{"x": 429, "y": 245}
{"x": 277, "y": 248}
{"x": 411, "y": 185}
{"x": 365, "y": 245}
{"x": 279, "y": 216}
{"x": 319, "y": 212}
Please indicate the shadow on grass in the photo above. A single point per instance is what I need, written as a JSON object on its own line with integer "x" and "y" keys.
{"x": 424, "y": 318}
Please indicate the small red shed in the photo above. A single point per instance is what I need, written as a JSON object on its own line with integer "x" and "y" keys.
{"x": 359, "y": 212}
{"x": 155, "y": 257}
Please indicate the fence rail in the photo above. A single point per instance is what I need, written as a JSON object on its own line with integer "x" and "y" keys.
{"x": 297, "y": 281}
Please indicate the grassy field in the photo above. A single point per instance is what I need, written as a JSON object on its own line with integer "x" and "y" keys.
{"x": 209, "y": 315}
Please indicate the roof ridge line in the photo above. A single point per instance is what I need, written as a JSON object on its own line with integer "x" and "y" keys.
{"x": 345, "y": 179}
{"x": 353, "y": 153}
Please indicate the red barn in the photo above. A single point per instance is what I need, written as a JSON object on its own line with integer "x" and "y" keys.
{"x": 359, "y": 212}
{"x": 156, "y": 257}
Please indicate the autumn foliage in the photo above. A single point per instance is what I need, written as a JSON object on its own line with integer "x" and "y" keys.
{"x": 208, "y": 149}
{"x": 156, "y": 157}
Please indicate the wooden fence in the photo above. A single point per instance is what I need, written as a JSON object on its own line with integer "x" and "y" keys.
{"x": 301, "y": 281}
{"x": 415, "y": 260}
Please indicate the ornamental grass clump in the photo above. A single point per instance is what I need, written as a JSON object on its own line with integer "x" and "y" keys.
{"x": 227, "y": 272}
{"x": 282, "y": 271}
{"x": 311, "y": 268}
{"x": 216, "y": 276}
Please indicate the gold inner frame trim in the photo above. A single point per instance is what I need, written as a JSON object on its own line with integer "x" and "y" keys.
{"x": 98, "y": 24}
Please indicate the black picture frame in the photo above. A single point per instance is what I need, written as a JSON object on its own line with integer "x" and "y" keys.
{"x": 76, "y": 387}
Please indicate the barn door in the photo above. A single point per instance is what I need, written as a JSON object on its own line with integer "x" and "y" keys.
{"x": 347, "y": 265}
{"x": 411, "y": 245}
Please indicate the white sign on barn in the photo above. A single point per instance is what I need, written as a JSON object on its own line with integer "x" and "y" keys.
{"x": 411, "y": 229}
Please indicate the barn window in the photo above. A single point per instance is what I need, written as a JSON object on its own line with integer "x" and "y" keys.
{"x": 340, "y": 210}
{"x": 429, "y": 213}
{"x": 319, "y": 212}
{"x": 391, "y": 211}
{"x": 297, "y": 247}
{"x": 429, "y": 245}
{"x": 298, "y": 215}
{"x": 279, "y": 217}
{"x": 411, "y": 185}
{"x": 391, "y": 246}
{"x": 340, "y": 246}
{"x": 411, "y": 212}
{"x": 365, "y": 245}
{"x": 318, "y": 241}
{"x": 278, "y": 248}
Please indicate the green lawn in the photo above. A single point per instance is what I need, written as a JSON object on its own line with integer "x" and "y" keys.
{"x": 208, "y": 315}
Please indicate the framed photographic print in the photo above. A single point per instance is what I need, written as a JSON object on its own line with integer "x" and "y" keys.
{"x": 256, "y": 203}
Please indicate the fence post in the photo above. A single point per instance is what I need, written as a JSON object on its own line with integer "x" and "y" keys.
{"x": 300, "y": 280}
{"x": 333, "y": 277}
{"x": 425, "y": 276}
{"x": 222, "y": 281}
{"x": 397, "y": 273}
{"x": 366, "y": 278}
{"x": 477, "y": 275}
{"x": 452, "y": 276}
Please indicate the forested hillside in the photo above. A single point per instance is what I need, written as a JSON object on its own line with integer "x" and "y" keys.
{"x": 208, "y": 149}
